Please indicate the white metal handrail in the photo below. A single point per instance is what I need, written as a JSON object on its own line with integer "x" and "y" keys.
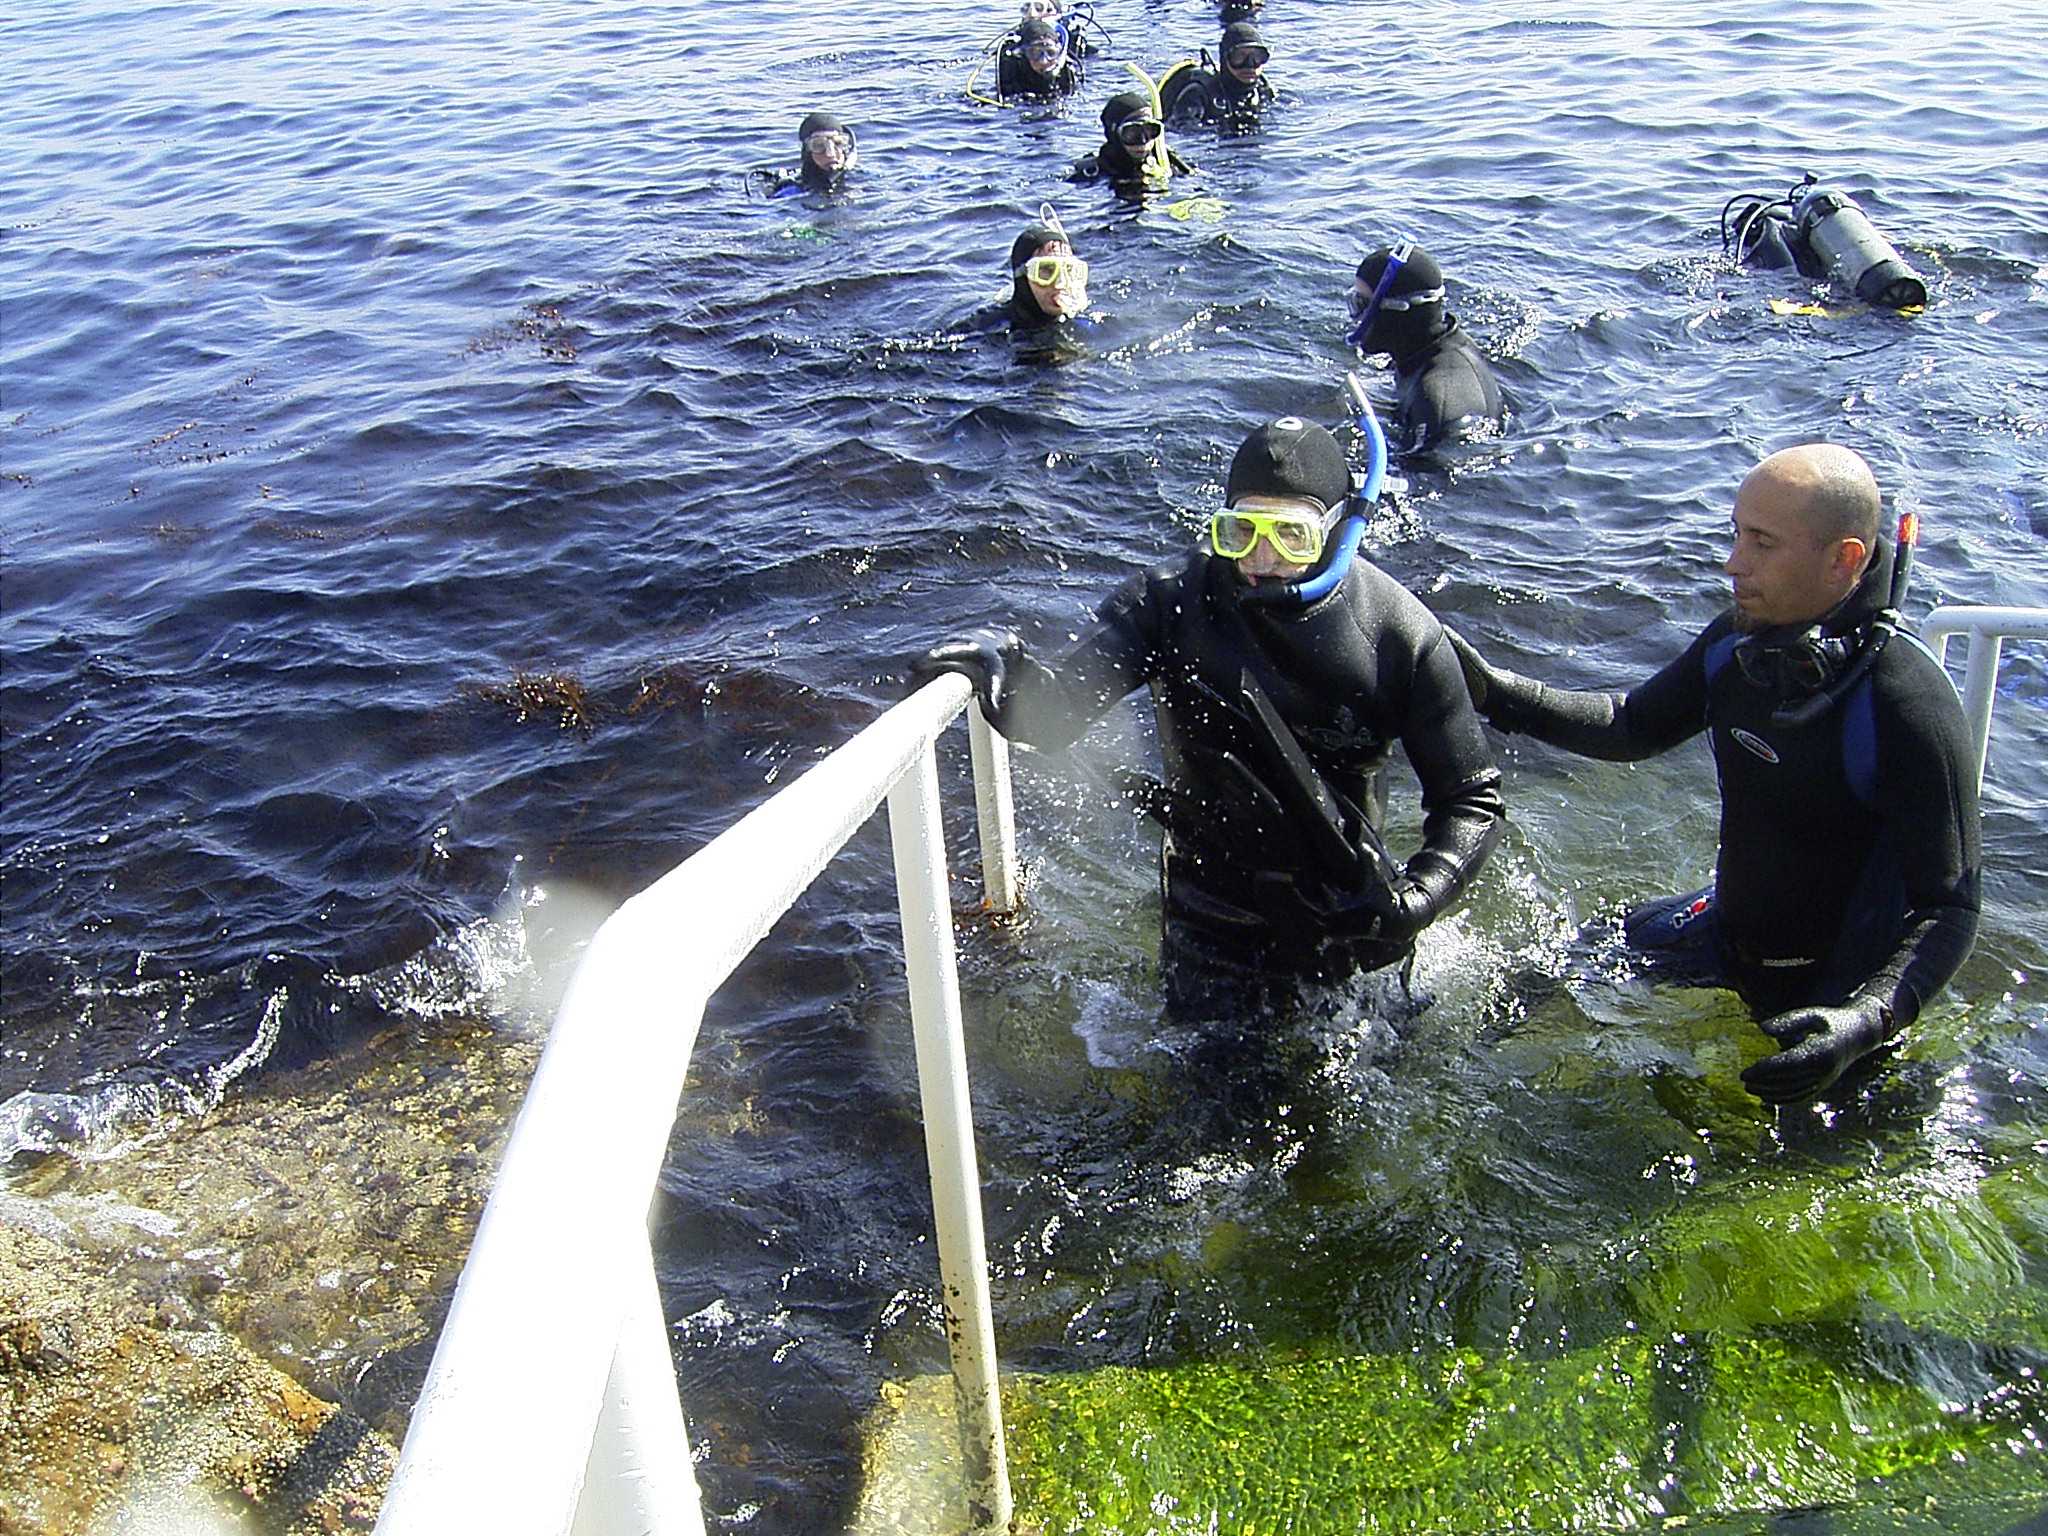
{"x": 1988, "y": 629}
{"x": 551, "y": 1404}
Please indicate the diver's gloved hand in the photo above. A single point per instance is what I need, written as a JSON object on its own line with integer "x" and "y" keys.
{"x": 984, "y": 659}
{"x": 1391, "y": 914}
{"x": 1819, "y": 1045}
{"x": 1404, "y": 909}
{"x": 1501, "y": 697}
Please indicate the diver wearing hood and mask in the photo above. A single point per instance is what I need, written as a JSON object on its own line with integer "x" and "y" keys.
{"x": 1229, "y": 95}
{"x": 1277, "y": 713}
{"x": 828, "y": 153}
{"x": 1445, "y": 391}
{"x": 1036, "y": 64}
{"x": 1133, "y": 157}
{"x": 1048, "y": 283}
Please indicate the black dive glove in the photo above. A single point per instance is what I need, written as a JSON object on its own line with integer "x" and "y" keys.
{"x": 984, "y": 659}
{"x": 1391, "y": 915}
{"x": 1503, "y": 698}
{"x": 1818, "y": 1046}
{"x": 1405, "y": 908}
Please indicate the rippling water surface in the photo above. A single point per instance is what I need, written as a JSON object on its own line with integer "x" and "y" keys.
{"x": 433, "y": 484}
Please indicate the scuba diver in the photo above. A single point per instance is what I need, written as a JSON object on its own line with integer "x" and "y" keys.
{"x": 1283, "y": 667}
{"x": 1133, "y": 156}
{"x": 1028, "y": 67}
{"x": 1048, "y": 284}
{"x": 1821, "y": 235}
{"x": 1232, "y": 96}
{"x": 1445, "y": 391}
{"x": 1076, "y": 20}
{"x": 1034, "y": 64}
{"x": 828, "y": 153}
{"x": 1846, "y": 882}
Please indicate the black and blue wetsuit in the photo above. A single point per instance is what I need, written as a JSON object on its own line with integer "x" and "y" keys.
{"x": 1849, "y": 847}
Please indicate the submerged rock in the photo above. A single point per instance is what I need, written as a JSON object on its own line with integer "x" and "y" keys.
{"x": 109, "y": 1420}
{"x": 223, "y": 1325}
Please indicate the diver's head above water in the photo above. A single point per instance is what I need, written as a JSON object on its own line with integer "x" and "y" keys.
{"x": 1397, "y": 300}
{"x": 1044, "y": 47}
{"x": 1287, "y": 486}
{"x": 1129, "y": 130}
{"x": 1806, "y": 528}
{"x": 1243, "y": 54}
{"x": 828, "y": 150}
{"x": 1047, "y": 279}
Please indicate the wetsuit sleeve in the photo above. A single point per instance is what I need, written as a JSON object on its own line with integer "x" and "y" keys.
{"x": 1461, "y": 797}
{"x": 1927, "y": 790}
{"x": 1051, "y": 703}
{"x": 1654, "y": 717}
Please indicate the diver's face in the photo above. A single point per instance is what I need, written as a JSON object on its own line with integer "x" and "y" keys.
{"x": 1046, "y": 55}
{"x": 1783, "y": 571}
{"x": 829, "y": 150}
{"x": 1265, "y": 563}
{"x": 1245, "y": 63}
{"x": 1286, "y": 536}
{"x": 1067, "y": 294}
{"x": 1359, "y": 302}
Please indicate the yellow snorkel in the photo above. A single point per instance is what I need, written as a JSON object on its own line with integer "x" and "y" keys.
{"x": 1162, "y": 168}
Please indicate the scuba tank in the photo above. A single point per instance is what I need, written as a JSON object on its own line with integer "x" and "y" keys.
{"x": 1822, "y": 234}
{"x": 1856, "y": 255}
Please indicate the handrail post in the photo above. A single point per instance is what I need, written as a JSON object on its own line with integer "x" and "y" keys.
{"x": 1980, "y": 684}
{"x": 994, "y": 812}
{"x": 928, "y": 955}
{"x": 1988, "y": 629}
{"x": 576, "y": 1425}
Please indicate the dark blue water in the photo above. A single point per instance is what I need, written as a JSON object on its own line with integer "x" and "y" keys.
{"x": 433, "y": 481}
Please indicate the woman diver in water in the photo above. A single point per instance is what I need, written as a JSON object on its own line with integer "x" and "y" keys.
{"x": 827, "y": 152}
{"x": 1048, "y": 287}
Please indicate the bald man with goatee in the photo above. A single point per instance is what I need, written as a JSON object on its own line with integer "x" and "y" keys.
{"x": 1846, "y": 888}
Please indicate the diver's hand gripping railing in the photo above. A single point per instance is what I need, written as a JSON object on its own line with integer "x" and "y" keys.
{"x": 1988, "y": 629}
{"x": 551, "y": 1403}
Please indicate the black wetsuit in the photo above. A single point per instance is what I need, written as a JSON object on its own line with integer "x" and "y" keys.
{"x": 1016, "y": 80}
{"x": 1190, "y": 95}
{"x": 809, "y": 176}
{"x": 1446, "y": 392}
{"x": 1036, "y": 336}
{"x": 1349, "y": 675}
{"x": 1849, "y": 847}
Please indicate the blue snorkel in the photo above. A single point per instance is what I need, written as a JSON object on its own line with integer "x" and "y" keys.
{"x": 1396, "y": 260}
{"x": 1350, "y": 530}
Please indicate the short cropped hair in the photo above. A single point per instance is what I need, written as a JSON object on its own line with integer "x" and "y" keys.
{"x": 1844, "y": 501}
